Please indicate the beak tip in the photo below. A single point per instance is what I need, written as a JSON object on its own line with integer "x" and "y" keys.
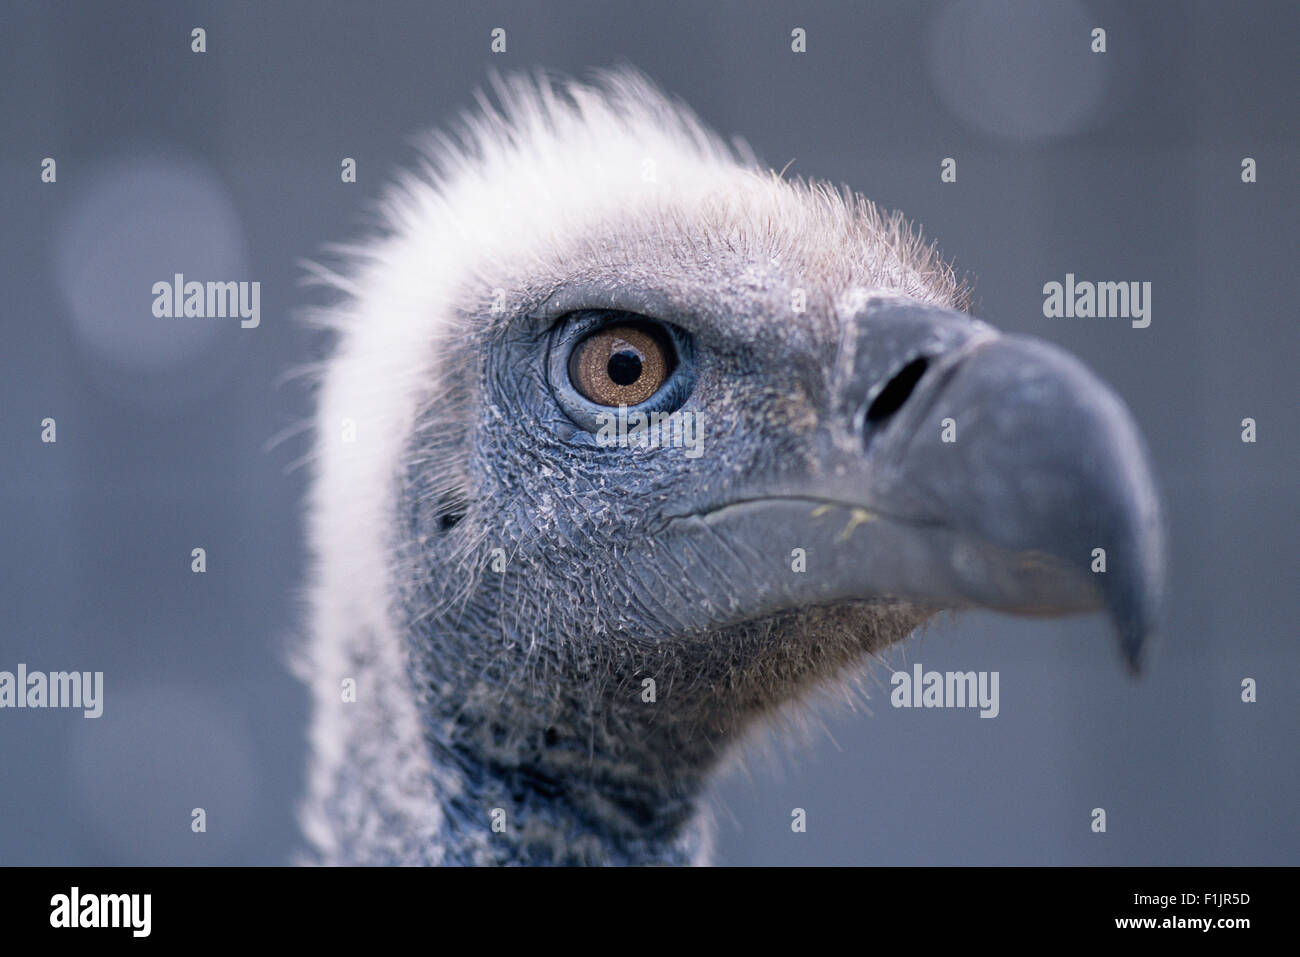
{"x": 1134, "y": 628}
{"x": 1132, "y": 651}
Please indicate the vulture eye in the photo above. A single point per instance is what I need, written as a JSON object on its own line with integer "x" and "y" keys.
{"x": 621, "y": 364}
{"x": 604, "y": 359}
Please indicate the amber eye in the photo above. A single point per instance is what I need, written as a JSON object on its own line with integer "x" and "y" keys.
{"x": 621, "y": 365}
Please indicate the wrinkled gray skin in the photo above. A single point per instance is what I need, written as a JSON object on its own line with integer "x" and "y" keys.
{"x": 628, "y": 564}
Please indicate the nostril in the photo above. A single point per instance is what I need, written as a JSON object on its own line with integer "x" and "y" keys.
{"x": 896, "y": 391}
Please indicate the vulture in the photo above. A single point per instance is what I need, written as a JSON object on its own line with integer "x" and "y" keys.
{"x": 626, "y": 443}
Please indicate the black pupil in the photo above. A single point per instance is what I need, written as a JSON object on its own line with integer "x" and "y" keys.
{"x": 624, "y": 367}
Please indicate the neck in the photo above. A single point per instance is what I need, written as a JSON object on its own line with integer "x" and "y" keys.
{"x": 563, "y": 768}
{"x": 575, "y": 744}
{"x": 528, "y": 810}
{"x": 571, "y": 757}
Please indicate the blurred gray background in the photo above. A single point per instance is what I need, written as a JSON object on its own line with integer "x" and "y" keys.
{"x": 1122, "y": 166}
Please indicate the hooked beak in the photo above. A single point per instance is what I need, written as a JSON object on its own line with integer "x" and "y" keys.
{"x": 963, "y": 469}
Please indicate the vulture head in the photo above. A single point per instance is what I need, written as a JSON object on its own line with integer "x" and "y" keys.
{"x": 626, "y": 442}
